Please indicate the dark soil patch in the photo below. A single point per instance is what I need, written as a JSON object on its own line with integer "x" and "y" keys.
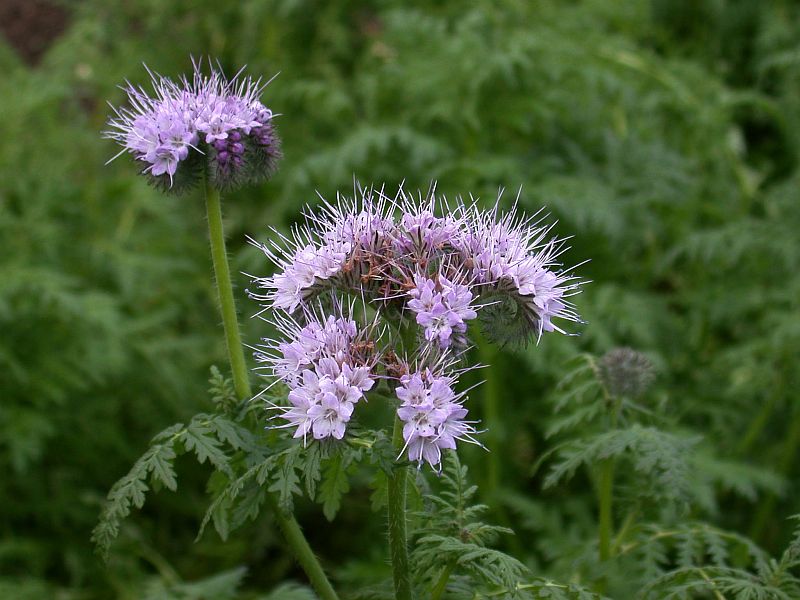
{"x": 31, "y": 26}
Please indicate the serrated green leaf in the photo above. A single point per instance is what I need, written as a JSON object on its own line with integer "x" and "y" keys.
{"x": 160, "y": 464}
{"x": 311, "y": 467}
{"x": 248, "y": 506}
{"x": 232, "y": 433}
{"x": 285, "y": 480}
{"x": 199, "y": 438}
{"x": 219, "y": 516}
{"x": 130, "y": 491}
{"x": 334, "y": 485}
{"x": 168, "y": 434}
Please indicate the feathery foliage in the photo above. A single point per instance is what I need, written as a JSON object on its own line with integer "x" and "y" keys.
{"x": 663, "y": 133}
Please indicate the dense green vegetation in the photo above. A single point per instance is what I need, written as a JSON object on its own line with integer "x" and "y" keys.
{"x": 663, "y": 135}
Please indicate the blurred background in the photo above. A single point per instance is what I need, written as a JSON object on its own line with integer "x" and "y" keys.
{"x": 662, "y": 134}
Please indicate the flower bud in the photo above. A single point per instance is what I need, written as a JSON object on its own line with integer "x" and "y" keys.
{"x": 626, "y": 372}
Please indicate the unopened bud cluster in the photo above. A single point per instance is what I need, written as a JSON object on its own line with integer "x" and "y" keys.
{"x": 626, "y": 372}
{"x": 383, "y": 289}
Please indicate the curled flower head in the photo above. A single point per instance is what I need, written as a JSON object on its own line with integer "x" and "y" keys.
{"x": 516, "y": 261}
{"x": 209, "y": 123}
{"x": 343, "y": 247}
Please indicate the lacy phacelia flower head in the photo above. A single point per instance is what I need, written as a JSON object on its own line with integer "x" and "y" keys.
{"x": 424, "y": 273}
{"x": 207, "y": 123}
{"x": 433, "y": 416}
{"x": 327, "y": 363}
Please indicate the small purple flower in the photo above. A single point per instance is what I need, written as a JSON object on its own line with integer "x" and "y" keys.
{"x": 210, "y": 123}
{"x": 358, "y": 377}
{"x": 329, "y": 416}
{"x": 413, "y": 390}
{"x": 442, "y": 308}
{"x": 302, "y": 398}
{"x": 432, "y": 415}
{"x": 302, "y": 351}
{"x": 420, "y": 232}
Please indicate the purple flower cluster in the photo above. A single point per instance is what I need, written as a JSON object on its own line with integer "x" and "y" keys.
{"x": 432, "y": 415}
{"x": 335, "y": 249}
{"x": 397, "y": 251}
{"x": 208, "y": 117}
{"x": 325, "y": 373}
{"x": 442, "y": 308}
{"x": 424, "y": 278}
{"x": 512, "y": 257}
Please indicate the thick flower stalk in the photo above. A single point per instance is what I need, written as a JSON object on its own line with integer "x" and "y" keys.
{"x": 207, "y": 124}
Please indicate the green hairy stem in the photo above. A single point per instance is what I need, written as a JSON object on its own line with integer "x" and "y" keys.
{"x": 288, "y": 524}
{"x": 222, "y": 273}
{"x": 398, "y": 544}
{"x": 441, "y": 583}
{"x": 302, "y": 551}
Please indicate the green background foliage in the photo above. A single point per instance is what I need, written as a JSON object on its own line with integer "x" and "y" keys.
{"x": 663, "y": 135}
